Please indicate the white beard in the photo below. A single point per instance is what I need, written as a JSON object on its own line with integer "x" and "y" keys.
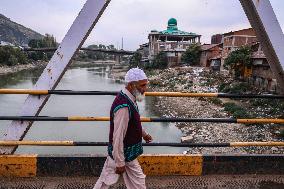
{"x": 139, "y": 96}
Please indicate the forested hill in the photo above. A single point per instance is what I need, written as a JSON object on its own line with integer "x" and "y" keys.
{"x": 15, "y": 33}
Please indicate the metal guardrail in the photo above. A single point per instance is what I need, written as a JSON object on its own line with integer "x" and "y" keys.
{"x": 75, "y": 143}
{"x": 166, "y": 94}
{"x": 143, "y": 119}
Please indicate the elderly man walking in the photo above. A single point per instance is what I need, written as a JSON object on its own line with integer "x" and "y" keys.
{"x": 125, "y": 136}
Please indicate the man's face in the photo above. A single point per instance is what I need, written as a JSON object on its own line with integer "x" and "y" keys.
{"x": 141, "y": 86}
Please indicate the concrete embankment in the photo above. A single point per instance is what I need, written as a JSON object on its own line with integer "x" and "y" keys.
{"x": 152, "y": 165}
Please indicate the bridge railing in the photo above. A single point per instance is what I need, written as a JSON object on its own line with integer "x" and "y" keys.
{"x": 166, "y": 94}
{"x": 143, "y": 119}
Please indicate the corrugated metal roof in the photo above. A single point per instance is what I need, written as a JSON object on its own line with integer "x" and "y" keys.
{"x": 206, "y": 47}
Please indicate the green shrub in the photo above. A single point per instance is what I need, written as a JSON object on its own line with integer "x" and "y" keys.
{"x": 11, "y": 56}
{"x": 150, "y": 72}
{"x": 12, "y": 60}
{"x": 273, "y": 106}
{"x": 215, "y": 100}
{"x": 236, "y": 111}
{"x": 21, "y": 57}
{"x": 240, "y": 88}
{"x": 281, "y": 133}
{"x": 237, "y": 88}
{"x": 222, "y": 86}
{"x": 209, "y": 81}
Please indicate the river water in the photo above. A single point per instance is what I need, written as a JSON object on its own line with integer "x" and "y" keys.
{"x": 78, "y": 78}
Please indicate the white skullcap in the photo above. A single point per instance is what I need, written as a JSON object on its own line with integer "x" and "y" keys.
{"x": 135, "y": 74}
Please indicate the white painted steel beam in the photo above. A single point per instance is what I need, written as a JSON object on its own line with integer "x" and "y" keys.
{"x": 52, "y": 74}
{"x": 268, "y": 31}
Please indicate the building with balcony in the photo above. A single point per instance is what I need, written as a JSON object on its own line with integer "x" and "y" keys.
{"x": 172, "y": 41}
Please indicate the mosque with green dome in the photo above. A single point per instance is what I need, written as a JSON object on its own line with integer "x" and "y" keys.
{"x": 172, "y": 41}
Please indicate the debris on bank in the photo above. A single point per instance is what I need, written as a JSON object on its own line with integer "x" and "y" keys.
{"x": 196, "y": 79}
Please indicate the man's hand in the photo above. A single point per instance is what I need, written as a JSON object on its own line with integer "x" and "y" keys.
{"x": 148, "y": 138}
{"x": 120, "y": 170}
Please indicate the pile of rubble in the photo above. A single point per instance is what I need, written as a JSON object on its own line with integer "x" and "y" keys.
{"x": 195, "y": 79}
{"x": 188, "y": 79}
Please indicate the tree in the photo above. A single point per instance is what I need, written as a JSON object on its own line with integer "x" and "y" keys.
{"x": 238, "y": 60}
{"x": 96, "y": 55}
{"x": 240, "y": 56}
{"x": 111, "y": 47}
{"x": 100, "y": 55}
{"x": 11, "y": 56}
{"x": 135, "y": 60}
{"x": 22, "y": 58}
{"x": 160, "y": 61}
{"x": 192, "y": 55}
{"x": 12, "y": 61}
{"x": 48, "y": 41}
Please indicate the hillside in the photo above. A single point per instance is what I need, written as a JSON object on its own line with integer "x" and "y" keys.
{"x": 15, "y": 33}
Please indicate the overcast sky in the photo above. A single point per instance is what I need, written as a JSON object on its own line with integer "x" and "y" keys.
{"x": 134, "y": 19}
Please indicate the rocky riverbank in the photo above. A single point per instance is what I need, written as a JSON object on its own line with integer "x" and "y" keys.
{"x": 189, "y": 79}
{"x": 118, "y": 72}
{"x": 4, "y": 70}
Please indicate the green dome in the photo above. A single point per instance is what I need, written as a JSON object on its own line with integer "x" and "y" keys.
{"x": 172, "y": 29}
{"x": 172, "y": 22}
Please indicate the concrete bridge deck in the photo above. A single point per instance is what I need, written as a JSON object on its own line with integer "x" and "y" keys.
{"x": 153, "y": 182}
{"x": 163, "y": 171}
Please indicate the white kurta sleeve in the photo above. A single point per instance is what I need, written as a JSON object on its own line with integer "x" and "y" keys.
{"x": 144, "y": 133}
{"x": 121, "y": 119}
